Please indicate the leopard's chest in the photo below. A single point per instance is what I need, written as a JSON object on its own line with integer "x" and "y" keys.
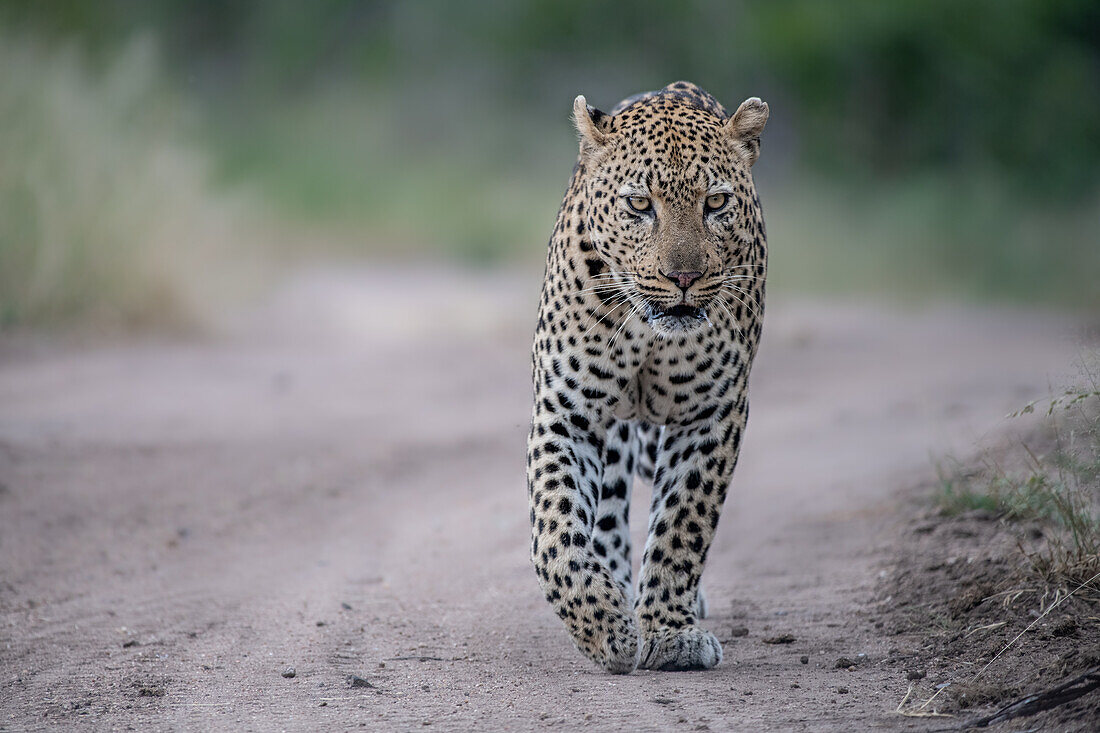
{"x": 667, "y": 386}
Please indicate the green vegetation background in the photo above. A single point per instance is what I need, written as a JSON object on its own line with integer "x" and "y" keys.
{"x": 928, "y": 146}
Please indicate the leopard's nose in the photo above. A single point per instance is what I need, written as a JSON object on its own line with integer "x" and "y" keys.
{"x": 682, "y": 279}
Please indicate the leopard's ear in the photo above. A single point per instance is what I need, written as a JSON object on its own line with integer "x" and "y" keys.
{"x": 592, "y": 125}
{"x": 744, "y": 128}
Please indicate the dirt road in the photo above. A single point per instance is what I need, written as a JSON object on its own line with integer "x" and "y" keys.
{"x": 335, "y": 485}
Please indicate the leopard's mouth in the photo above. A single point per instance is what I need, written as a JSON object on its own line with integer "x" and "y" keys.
{"x": 682, "y": 310}
{"x": 679, "y": 317}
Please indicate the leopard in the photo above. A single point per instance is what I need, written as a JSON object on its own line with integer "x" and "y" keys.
{"x": 649, "y": 319}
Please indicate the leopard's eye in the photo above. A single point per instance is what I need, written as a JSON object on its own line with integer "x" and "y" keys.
{"x": 717, "y": 201}
{"x": 639, "y": 203}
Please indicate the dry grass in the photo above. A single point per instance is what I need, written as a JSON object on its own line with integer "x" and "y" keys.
{"x": 1059, "y": 487}
{"x": 106, "y": 213}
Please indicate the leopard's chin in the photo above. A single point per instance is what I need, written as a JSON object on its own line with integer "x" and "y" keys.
{"x": 680, "y": 318}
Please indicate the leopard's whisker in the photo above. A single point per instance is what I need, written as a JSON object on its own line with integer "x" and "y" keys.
{"x": 739, "y": 289}
{"x": 733, "y": 320}
{"x": 626, "y": 320}
{"x": 752, "y": 310}
{"x": 602, "y": 291}
{"x": 606, "y": 275}
{"x": 615, "y": 299}
{"x": 605, "y": 286}
{"x": 623, "y": 300}
{"x": 608, "y": 284}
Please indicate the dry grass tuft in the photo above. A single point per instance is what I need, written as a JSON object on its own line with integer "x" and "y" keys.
{"x": 1058, "y": 487}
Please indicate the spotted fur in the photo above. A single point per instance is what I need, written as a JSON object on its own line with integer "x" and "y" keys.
{"x": 634, "y": 373}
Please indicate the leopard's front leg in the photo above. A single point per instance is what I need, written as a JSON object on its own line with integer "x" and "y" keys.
{"x": 694, "y": 467}
{"x": 563, "y": 477}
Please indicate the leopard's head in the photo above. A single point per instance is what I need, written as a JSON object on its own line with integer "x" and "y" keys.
{"x": 670, "y": 205}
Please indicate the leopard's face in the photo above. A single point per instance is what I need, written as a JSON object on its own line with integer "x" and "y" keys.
{"x": 672, "y": 211}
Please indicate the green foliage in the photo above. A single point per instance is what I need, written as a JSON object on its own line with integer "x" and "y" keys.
{"x": 915, "y": 148}
{"x": 896, "y": 88}
{"x": 878, "y": 88}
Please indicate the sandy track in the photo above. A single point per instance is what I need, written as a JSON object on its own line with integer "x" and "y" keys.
{"x": 335, "y": 484}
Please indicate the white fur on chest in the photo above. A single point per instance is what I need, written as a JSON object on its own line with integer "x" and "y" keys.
{"x": 647, "y": 395}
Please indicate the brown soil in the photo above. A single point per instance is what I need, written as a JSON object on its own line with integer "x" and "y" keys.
{"x": 976, "y": 627}
{"x": 335, "y": 485}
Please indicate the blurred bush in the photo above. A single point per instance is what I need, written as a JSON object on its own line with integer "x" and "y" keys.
{"x": 105, "y": 214}
{"x": 930, "y": 146}
{"x": 1005, "y": 86}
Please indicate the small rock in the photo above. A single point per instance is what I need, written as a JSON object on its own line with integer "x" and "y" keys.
{"x": 129, "y": 643}
{"x": 320, "y": 623}
{"x": 915, "y": 674}
{"x": 425, "y": 688}
{"x": 844, "y": 663}
{"x": 780, "y": 639}
{"x": 355, "y": 680}
{"x": 747, "y": 692}
{"x": 151, "y": 692}
{"x": 795, "y": 685}
{"x": 345, "y": 606}
{"x": 842, "y": 690}
{"x": 739, "y": 631}
{"x": 1064, "y": 627}
{"x": 661, "y": 700}
{"x": 289, "y": 673}
{"x": 804, "y": 659}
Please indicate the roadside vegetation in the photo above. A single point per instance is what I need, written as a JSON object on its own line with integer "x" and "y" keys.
{"x": 1052, "y": 481}
{"x": 995, "y": 593}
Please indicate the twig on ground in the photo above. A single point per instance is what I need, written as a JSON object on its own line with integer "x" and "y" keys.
{"x": 1060, "y": 694}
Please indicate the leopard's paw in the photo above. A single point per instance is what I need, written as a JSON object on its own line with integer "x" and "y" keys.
{"x": 691, "y": 647}
{"x": 607, "y": 633}
{"x": 621, "y": 648}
